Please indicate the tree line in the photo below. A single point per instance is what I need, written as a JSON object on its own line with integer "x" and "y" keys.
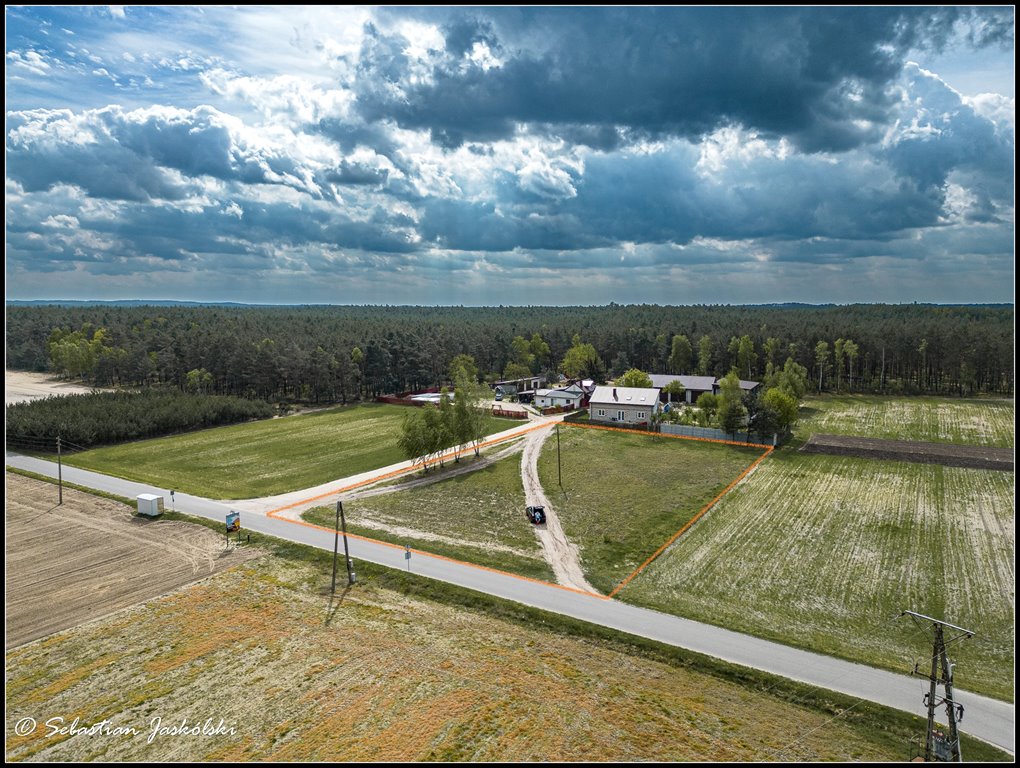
{"x": 343, "y": 353}
{"x": 101, "y": 418}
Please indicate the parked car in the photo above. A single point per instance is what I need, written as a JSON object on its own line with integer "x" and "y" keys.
{"x": 536, "y": 515}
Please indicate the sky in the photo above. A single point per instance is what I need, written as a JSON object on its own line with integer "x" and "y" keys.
{"x": 510, "y": 155}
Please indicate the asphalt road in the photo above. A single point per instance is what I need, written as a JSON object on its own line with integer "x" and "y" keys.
{"x": 987, "y": 719}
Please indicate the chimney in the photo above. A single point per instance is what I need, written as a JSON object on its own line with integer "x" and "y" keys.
{"x": 614, "y": 394}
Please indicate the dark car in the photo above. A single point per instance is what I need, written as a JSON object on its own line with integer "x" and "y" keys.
{"x": 536, "y": 515}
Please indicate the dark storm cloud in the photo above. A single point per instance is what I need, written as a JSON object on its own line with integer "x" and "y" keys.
{"x": 820, "y": 76}
{"x": 526, "y": 151}
{"x": 135, "y": 149}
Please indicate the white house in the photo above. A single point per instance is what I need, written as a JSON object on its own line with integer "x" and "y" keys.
{"x": 568, "y": 397}
{"x": 623, "y": 405}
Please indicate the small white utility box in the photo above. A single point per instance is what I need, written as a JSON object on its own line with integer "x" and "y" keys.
{"x": 151, "y": 505}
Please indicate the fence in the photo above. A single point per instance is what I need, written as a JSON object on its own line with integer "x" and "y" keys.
{"x": 394, "y": 400}
{"x": 717, "y": 434}
{"x": 497, "y": 411}
{"x": 551, "y": 409}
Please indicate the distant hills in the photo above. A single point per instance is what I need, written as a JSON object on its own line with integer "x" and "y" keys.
{"x": 165, "y": 303}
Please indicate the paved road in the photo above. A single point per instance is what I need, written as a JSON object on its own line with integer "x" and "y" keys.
{"x": 987, "y": 719}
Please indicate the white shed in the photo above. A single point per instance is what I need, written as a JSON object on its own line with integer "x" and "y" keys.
{"x": 149, "y": 504}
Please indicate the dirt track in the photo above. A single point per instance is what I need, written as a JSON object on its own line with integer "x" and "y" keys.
{"x": 947, "y": 454}
{"x": 559, "y": 553}
{"x": 91, "y": 556}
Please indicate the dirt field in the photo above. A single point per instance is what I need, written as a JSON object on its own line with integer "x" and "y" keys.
{"x": 20, "y": 386}
{"x": 824, "y": 552}
{"x": 90, "y": 556}
{"x": 381, "y": 676}
{"x": 946, "y": 454}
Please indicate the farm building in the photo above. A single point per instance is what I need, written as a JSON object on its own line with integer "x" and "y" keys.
{"x": 623, "y": 405}
{"x": 696, "y": 386}
{"x": 567, "y": 397}
{"x": 518, "y": 387}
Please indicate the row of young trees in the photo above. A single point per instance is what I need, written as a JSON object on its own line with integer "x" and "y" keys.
{"x": 335, "y": 354}
{"x": 427, "y": 433}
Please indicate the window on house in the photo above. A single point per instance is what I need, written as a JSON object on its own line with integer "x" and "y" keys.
{"x": 602, "y": 411}
{"x": 621, "y": 415}
{"x": 640, "y": 414}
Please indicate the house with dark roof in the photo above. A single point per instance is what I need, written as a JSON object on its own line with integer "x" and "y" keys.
{"x": 696, "y": 386}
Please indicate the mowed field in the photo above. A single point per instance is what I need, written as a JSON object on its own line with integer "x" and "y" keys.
{"x": 477, "y": 517}
{"x": 987, "y": 422}
{"x": 264, "y": 458}
{"x": 381, "y": 676}
{"x": 824, "y": 552}
{"x": 625, "y": 494}
{"x": 90, "y": 556}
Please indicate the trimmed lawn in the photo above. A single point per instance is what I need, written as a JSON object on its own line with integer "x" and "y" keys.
{"x": 263, "y": 458}
{"x": 824, "y": 552}
{"x": 477, "y": 517}
{"x": 624, "y": 495}
{"x": 933, "y": 419}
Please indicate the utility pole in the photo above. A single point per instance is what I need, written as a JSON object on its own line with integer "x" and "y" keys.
{"x": 60, "y": 476}
{"x": 347, "y": 554}
{"x": 336, "y": 545}
{"x": 341, "y": 524}
{"x": 937, "y": 747}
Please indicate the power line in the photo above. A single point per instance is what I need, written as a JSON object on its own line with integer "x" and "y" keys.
{"x": 937, "y": 745}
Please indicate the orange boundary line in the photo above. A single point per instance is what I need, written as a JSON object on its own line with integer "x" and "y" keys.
{"x": 403, "y": 471}
{"x": 693, "y": 520}
{"x": 660, "y": 434}
{"x": 450, "y": 559}
{"x": 274, "y": 514}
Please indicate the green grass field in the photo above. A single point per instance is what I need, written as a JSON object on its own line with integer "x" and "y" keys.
{"x": 625, "y": 494}
{"x": 824, "y": 551}
{"x": 477, "y": 517}
{"x": 263, "y": 458}
{"x": 934, "y": 419}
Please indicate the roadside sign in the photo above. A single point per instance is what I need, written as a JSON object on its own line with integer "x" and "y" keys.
{"x": 233, "y": 521}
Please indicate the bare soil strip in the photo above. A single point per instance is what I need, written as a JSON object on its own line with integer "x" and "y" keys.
{"x": 22, "y": 386}
{"x": 90, "y": 556}
{"x": 559, "y": 553}
{"x": 947, "y": 454}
